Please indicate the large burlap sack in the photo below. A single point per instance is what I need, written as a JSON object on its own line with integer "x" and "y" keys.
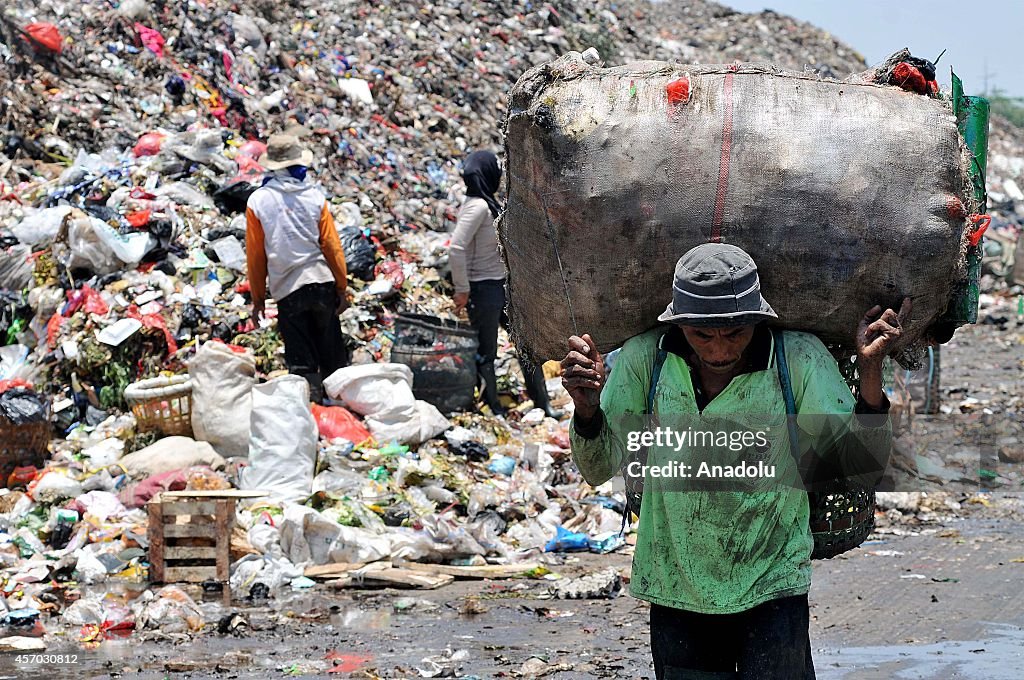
{"x": 222, "y": 381}
{"x": 846, "y": 194}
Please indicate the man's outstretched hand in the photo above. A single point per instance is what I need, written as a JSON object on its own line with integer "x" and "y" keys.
{"x": 583, "y": 375}
{"x": 877, "y": 335}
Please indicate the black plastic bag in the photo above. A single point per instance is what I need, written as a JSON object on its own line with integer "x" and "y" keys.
{"x": 22, "y": 406}
{"x": 359, "y": 253}
{"x": 232, "y": 198}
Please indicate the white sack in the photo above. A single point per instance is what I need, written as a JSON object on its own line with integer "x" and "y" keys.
{"x": 372, "y": 388}
{"x": 222, "y": 381}
{"x": 414, "y": 425}
{"x": 283, "y": 440}
{"x": 170, "y": 453}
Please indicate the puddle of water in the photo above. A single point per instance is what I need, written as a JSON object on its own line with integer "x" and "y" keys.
{"x": 359, "y": 619}
{"x": 998, "y": 657}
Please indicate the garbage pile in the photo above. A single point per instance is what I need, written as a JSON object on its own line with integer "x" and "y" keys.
{"x": 129, "y": 141}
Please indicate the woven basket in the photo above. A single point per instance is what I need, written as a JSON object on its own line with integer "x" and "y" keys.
{"x": 841, "y": 521}
{"x": 21, "y": 445}
{"x": 162, "y": 404}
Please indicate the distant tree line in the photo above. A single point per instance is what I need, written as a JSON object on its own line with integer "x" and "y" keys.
{"x": 1010, "y": 108}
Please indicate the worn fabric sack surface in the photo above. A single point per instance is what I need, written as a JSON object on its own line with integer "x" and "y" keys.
{"x": 222, "y": 381}
{"x": 846, "y": 194}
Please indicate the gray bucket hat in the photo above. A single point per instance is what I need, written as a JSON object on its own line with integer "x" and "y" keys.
{"x": 284, "y": 151}
{"x": 716, "y": 285}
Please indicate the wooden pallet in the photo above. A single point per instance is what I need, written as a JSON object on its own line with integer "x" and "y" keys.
{"x": 190, "y": 537}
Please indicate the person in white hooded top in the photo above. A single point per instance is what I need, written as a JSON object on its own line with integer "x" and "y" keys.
{"x": 292, "y": 241}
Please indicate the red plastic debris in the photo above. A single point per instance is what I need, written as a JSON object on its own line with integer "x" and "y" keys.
{"x": 154, "y": 321}
{"x": 346, "y": 663}
{"x": 13, "y": 383}
{"x": 981, "y": 224}
{"x": 139, "y": 218}
{"x": 678, "y": 91}
{"x": 249, "y": 170}
{"x": 151, "y": 39}
{"x": 149, "y": 144}
{"x": 53, "y": 329}
{"x": 336, "y": 421}
{"x": 140, "y": 194}
{"x": 229, "y": 62}
{"x": 92, "y": 302}
{"x": 392, "y": 271}
{"x": 909, "y": 78}
{"x": 46, "y": 36}
{"x": 252, "y": 149}
{"x": 86, "y": 299}
{"x": 22, "y": 476}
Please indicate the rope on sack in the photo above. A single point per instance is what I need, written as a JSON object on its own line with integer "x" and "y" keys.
{"x": 558, "y": 258}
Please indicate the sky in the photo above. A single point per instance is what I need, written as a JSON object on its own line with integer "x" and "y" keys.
{"x": 980, "y": 37}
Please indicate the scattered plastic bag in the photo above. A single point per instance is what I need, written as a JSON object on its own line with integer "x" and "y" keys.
{"x": 101, "y": 505}
{"x": 271, "y": 572}
{"x": 169, "y": 610}
{"x": 149, "y": 144}
{"x": 53, "y": 485}
{"x": 185, "y": 194}
{"x": 46, "y": 36}
{"x": 230, "y": 253}
{"x": 360, "y": 255}
{"x": 22, "y": 406}
{"x": 307, "y": 537}
{"x": 104, "y": 454}
{"x": 41, "y": 226}
{"x": 89, "y": 569}
{"x": 151, "y": 39}
{"x": 567, "y": 541}
{"x": 502, "y": 465}
{"x": 357, "y": 89}
{"x": 336, "y": 422}
{"x": 95, "y": 246}
{"x": 15, "y": 267}
{"x": 414, "y": 425}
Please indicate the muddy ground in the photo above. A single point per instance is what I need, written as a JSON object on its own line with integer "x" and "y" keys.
{"x": 936, "y": 593}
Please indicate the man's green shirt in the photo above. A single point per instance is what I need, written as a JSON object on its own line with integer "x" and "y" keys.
{"x": 724, "y": 551}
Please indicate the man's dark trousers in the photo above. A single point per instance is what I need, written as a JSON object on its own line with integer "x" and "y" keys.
{"x": 313, "y": 345}
{"x": 768, "y": 642}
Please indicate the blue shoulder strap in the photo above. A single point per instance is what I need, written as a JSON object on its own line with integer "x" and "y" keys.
{"x": 787, "y": 393}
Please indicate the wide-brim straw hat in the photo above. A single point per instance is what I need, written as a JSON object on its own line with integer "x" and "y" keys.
{"x": 284, "y": 151}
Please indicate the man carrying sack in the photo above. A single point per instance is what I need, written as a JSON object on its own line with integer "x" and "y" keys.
{"x": 727, "y": 571}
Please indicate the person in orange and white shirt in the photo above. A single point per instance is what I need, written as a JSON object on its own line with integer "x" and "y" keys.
{"x": 291, "y": 241}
